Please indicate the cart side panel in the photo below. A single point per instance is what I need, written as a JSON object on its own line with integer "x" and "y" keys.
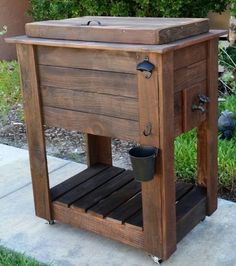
{"x": 90, "y": 91}
{"x": 190, "y": 81}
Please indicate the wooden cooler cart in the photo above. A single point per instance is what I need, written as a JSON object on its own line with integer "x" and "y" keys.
{"x": 140, "y": 79}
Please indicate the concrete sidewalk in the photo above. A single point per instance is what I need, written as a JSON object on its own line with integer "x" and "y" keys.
{"x": 211, "y": 243}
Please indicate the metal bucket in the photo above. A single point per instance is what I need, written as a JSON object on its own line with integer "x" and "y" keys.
{"x": 143, "y": 162}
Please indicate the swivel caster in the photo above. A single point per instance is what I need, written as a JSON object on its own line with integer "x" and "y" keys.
{"x": 156, "y": 259}
{"x": 51, "y": 222}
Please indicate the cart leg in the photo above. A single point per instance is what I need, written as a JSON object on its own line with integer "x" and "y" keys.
{"x": 98, "y": 150}
{"x": 207, "y": 133}
{"x": 158, "y": 195}
{"x": 36, "y": 142}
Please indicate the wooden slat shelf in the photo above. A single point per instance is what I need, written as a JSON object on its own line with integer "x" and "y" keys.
{"x": 112, "y": 194}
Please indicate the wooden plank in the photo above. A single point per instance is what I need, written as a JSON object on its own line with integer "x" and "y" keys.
{"x": 76, "y": 180}
{"x": 207, "y": 132}
{"x": 126, "y": 210}
{"x": 185, "y": 204}
{"x": 91, "y": 123}
{"x": 103, "y": 191}
{"x": 98, "y": 150}
{"x": 135, "y": 221}
{"x": 190, "y": 210}
{"x": 148, "y": 103}
{"x": 192, "y": 118}
{"x": 182, "y": 189}
{"x": 190, "y": 55}
{"x": 88, "y": 186}
{"x": 124, "y": 48}
{"x": 131, "y": 207}
{"x": 94, "y": 103}
{"x": 99, "y": 226}
{"x": 85, "y": 80}
{"x": 190, "y": 75}
{"x": 120, "y": 30}
{"x": 103, "y": 208}
{"x": 122, "y": 62}
{"x": 178, "y": 112}
{"x": 158, "y": 195}
{"x": 36, "y": 142}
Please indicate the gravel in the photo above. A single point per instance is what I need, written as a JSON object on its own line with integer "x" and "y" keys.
{"x": 59, "y": 142}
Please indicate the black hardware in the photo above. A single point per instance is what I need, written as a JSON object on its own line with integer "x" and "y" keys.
{"x": 146, "y": 67}
{"x": 94, "y": 21}
{"x": 143, "y": 162}
{"x": 148, "y": 129}
{"x": 203, "y": 99}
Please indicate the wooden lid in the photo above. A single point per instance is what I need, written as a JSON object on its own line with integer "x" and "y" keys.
{"x": 119, "y": 29}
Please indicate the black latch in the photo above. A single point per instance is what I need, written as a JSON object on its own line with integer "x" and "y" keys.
{"x": 146, "y": 67}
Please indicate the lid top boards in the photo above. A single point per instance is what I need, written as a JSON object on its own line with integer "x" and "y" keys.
{"x": 130, "y": 30}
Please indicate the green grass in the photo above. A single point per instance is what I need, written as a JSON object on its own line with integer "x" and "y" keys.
{"x": 11, "y": 258}
{"x": 10, "y": 93}
{"x": 186, "y": 159}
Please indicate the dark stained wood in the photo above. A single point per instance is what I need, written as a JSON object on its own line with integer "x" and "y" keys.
{"x": 207, "y": 132}
{"x": 94, "y": 103}
{"x": 117, "y": 198}
{"x": 178, "y": 113}
{"x": 189, "y": 75}
{"x": 190, "y": 210}
{"x": 98, "y": 150}
{"x": 103, "y": 191}
{"x": 76, "y": 180}
{"x": 190, "y": 55}
{"x": 84, "y": 80}
{"x": 192, "y": 118}
{"x": 67, "y": 74}
{"x": 122, "y": 62}
{"x": 101, "y": 46}
{"x": 120, "y": 29}
{"x": 158, "y": 195}
{"x": 182, "y": 189}
{"x": 36, "y": 142}
{"x": 91, "y": 123}
{"x": 136, "y": 220}
{"x": 118, "y": 232}
{"x": 126, "y": 210}
{"x": 148, "y": 103}
{"x": 88, "y": 186}
{"x": 165, "y": 164}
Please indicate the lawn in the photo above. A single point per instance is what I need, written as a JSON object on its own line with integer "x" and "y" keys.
{"x": 11, "y": 258}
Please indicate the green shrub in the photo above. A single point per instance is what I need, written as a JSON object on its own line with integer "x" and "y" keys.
{"x": 57, "y": 9}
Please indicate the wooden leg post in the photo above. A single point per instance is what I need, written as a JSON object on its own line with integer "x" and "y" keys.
{"x": 98, "y": 150}
{"x": 36, "y": 142}
{"x": 158, "y": 195}
{"x": 207, "y": 133}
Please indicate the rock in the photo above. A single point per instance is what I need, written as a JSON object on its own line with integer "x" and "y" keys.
{"x": 226, "y": 125}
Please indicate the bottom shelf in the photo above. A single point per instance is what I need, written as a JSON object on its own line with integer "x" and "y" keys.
{"x": 107, "y": 200}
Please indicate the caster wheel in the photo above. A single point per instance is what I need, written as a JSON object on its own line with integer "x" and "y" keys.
{"x": 156, "y": 259}
{"x": 51, "y": 222}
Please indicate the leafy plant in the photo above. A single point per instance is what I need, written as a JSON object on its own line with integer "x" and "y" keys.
{"x": 57, "y": 9}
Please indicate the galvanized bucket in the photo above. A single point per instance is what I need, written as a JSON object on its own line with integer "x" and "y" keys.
{"x": 143, "y": 162}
